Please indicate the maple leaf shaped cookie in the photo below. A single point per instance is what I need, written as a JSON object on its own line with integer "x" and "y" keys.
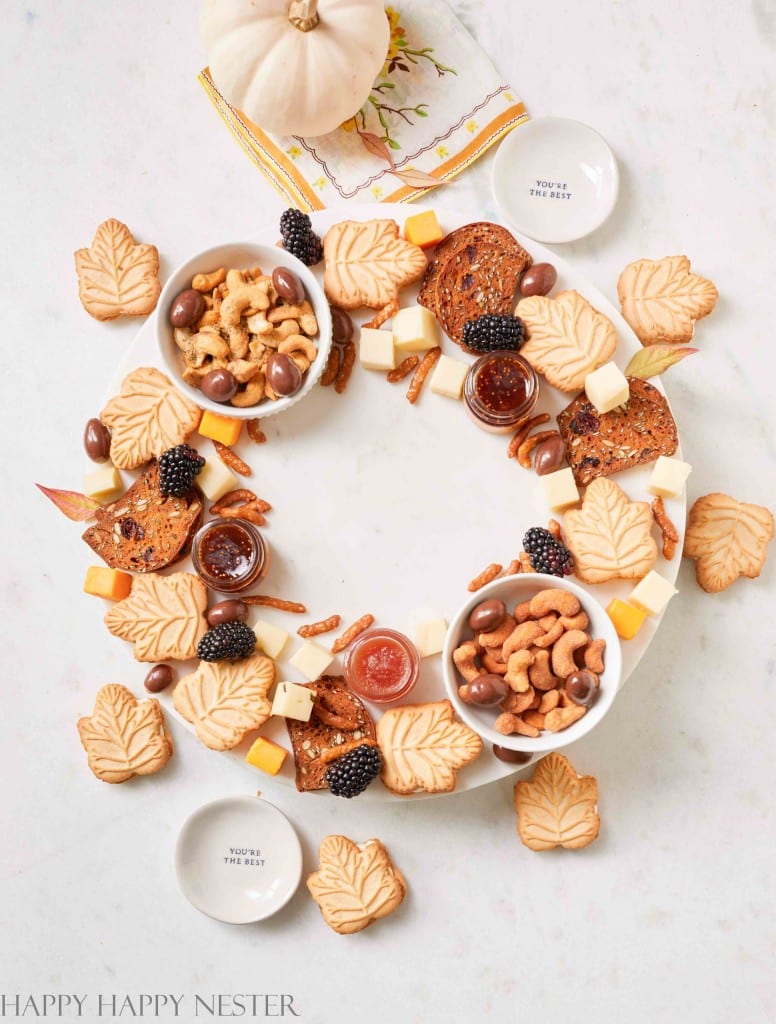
{"x": 567, "y": 338}
{"x": 661, "y": 299}
{"x": 225, "y": 700}
{"x": 366, "y": 265}
{"x": 117, "y": 277}
{"x": 355, "y": 885}
{"x": 423, "y": 746}
{"x": 147, "y": 417}
{"x": 610, "y": 537}
{"x": 556, "y": 807}
{"x": 124, "y": 736}
{"x": 164, "y": 616}
{"x": 728, "y": 539}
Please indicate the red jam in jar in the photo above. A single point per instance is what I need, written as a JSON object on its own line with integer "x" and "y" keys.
{"x": 381, "y": 666}
{"x": 229, "y": 554}
{"x": 500, "y": 390}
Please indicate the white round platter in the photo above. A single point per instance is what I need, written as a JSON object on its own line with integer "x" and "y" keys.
{"x": 384, "y": 507}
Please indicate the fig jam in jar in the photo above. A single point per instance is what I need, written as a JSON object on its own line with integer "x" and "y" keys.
{"x": 500, "y": 390}
{"x": 229, "y": 555}
{"x": 381, "y": 665}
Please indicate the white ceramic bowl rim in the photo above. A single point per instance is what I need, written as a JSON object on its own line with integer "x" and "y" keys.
{"x": 481, "y": 719}
{"x": 228, "y": 255}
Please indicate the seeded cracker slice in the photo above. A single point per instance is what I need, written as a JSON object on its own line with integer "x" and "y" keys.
{"x": 334, "y": 703}
{"x": 633, "y": 434}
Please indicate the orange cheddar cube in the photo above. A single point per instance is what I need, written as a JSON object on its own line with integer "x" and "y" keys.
{"x": 627, "y": 620}
{"x": 423, "y": 229}
{"x": 266, "y": 755}
{"x": 110, "y": 583}
{"x": 225, "y": 429}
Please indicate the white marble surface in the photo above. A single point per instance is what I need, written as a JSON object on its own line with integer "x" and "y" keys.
{"x": 669, "y": 916}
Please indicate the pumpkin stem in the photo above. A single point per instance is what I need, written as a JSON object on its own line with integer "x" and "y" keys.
{"x": 303, "y": 14}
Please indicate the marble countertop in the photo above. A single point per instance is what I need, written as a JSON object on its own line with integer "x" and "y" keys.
{"x": 669, "y": 915}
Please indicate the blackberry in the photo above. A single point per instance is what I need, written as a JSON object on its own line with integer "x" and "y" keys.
{"x": 299, "y": 238}
{"x": 177, "y": 468}
{"x": 350, "y": 774}
{"x": 227, "y": 642}
{"x": 547, "y": 554}
{"x": 489, "y": 332}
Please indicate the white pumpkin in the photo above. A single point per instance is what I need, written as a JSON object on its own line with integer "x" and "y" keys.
{"x": 295, "y": 67}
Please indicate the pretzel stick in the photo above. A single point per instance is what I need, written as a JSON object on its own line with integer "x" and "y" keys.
{"x": 231, "y": 459}
{"x": 404, "y": 369}
{"x": 250, "y": 511}
{"x": 667, "y": 528}
{"x": 239, "y": 496}
{"x": 523, "y": 431}
{"x": 351, "y": 633}
{"x": 346, "y": 367}
{"x": 528, "y": 445}
{"x": 331, "y": 369}
{"x": 513, "y": 568}
{"x": 255, "y": 433}
{"x": 421, "y": 372}
{"x": 275, "y": 602}
{"x": 485, "y": 576}
{"x": 316, "y": 628}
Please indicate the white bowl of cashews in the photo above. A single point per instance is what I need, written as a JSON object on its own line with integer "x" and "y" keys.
{"x": 543, "y": 613}
{"x": 248, "y": 321}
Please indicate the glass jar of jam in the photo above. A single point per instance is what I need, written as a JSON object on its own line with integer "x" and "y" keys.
{"x": 229, "y": 555}
{"x": 381, "y": 665}
{"x": 500, "y": 390}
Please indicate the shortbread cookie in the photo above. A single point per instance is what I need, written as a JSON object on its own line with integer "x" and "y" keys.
{"x": 423, "y": 746}
{"x": 225, "y": 700}
{"x": 557, "y": 807}
{"x": 367, "y": 264}
{"x": 566, "y": 338}
{"x": 164, "y": 616}
{"x": 147, "y": 417}
{"x": 124, "y": 737}
{"x": 142, "y": 530}
{"x": 338, "y": 717}
{"x": 117, "y": 277}
{"x": 355, "y": 884}
{"x": 728, "y": 539}
{"x": 610, "y": 537}
{"x": 633, "y": 434}
{"x": 661, "y": 299}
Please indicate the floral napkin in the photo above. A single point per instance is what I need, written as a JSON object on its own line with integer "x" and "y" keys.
{"x": 436, "y": 106}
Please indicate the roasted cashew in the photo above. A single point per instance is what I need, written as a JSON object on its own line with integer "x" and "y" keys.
{"x": 522, "y": 612}
{"x": 563, "y": 663}
{"x": 578, "y": 621}
{"x": 507, "y": 724}
{"x": 562, "y": 718}
{"x": 517, "y": 671}
{"x": 492, "y": 664}
{"x": 210, "y": 318}
{"x": 247, "y": 296}
{"x": 259, "y": 324}
{"x": 549, "y": 701}
{"x": 554, "y": 600}
{"x": 242, "y": 370}
{"x": 298, "y": 343}
{"x": 281, "y": 313}
{"x": 208, "y": 343}
{"x": 181, "y": 336}
{"x": 207, "y": 282}
{"x": 496, "y": 637}
{"x": 463, "y": 658}
{"x": 534, "y": 718}
{"x": 555, "y": 632}
{"x": 521, "y": 638}
{"x": 594, "y": 656}
{"x": 539, "y": 673}
{"x": 238, "y": 341}
{"x": 254, "y": 392}
{"x": 287, "y": 328}
{"x": 301, "y": 360}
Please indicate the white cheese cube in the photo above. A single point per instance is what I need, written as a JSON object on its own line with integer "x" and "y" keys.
{"x": 271, "y": 639}
{"x": 293, "y": 701}
{"x": 607, "y": 387}
{"x": 430, "y": 636}
{"x": 215, "y": 480}
{"x": 415, "y": 330}
{"x": 560, "y": 489}
{"x": 312, "y": 660}
{"x": 448, "y": 377}
{"x": 103, "y": 483}
{"x": 669, "y": 477}
{"x": 375, "y": 349}
{"x": 652, "y": 593}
